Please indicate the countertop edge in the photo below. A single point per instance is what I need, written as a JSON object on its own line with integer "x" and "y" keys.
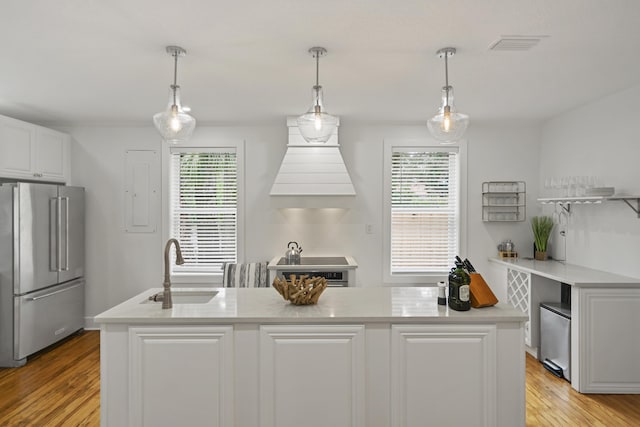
{"x": 312, "y": 321}
{"x": 425, "y": 312}
{"x": 538, "y": 268}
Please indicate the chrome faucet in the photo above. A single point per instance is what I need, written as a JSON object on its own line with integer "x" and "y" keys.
{"x": 166, "y": 297}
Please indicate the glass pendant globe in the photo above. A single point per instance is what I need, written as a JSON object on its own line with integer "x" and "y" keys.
{"x": 316, "y": 125}
{"x": 174, "y": 124}
{"x": 448, "y": 126}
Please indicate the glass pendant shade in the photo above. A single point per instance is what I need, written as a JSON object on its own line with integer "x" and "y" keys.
{"x": 316, "y": 125}
{"x": 174, "y": 124}
{"x": 448, "y": 126}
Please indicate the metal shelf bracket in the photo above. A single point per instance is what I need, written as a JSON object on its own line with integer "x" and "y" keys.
{"x": 635, "y": 208}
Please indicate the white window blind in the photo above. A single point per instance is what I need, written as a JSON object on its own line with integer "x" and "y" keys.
{"x": 204, "y": 207}
{"x": 424, "y": 210}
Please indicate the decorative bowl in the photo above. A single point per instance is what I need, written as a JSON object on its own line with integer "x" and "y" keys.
{"x": 301, "y": 290}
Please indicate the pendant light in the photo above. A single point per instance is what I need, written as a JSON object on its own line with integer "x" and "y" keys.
{"x": 174, "y": 124}
{"x": 447, "y": 125}
{"x": 316, "y": 125}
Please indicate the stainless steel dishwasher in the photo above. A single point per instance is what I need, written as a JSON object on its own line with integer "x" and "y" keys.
{"x": 555, "y": 338}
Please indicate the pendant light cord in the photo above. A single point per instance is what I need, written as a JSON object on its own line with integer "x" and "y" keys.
{"x": 317, "y": 68}
{"x": 446, "y": 77}
{"x": 317, "y": 86}
{"x": 175, "y": 76}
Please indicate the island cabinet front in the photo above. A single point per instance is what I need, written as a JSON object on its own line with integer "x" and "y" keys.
{"x": 443, "y": 375}
{"x": 167, "y": 376}
{"x": 313, "y": 375}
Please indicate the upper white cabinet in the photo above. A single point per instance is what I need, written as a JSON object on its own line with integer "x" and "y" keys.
{"x": 32, "y": 152}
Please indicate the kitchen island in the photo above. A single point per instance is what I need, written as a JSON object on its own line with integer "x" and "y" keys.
{"x": 605, "y": 319}
{"x": 360, "y": 357}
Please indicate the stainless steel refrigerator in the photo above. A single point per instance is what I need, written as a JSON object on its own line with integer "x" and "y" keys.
{"x": 41, "y": 267}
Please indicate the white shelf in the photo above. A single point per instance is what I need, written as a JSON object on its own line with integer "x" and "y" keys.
{"x": 576, "y": 200}
{"x": 566, "y": 202}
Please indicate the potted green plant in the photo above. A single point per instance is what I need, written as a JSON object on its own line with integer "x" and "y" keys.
{"x": 541, "y": 226}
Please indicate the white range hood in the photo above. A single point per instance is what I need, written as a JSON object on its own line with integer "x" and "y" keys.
{"x": 312, "y": 169}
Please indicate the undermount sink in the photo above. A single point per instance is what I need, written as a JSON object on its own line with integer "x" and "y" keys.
{"x": 184, "y": 297}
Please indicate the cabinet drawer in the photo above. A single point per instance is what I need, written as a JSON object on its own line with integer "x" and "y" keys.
{"x": 44, "y": 317}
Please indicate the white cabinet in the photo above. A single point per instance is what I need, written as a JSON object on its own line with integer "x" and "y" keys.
{"x": 32, "y": 152}
{"x": 605, "y": 344}
{"x": 461, "y": 360}
{"x": 371, "y": 374}
{"x": 181, "y": 375}
{"x": 17, "y": 141}
{"x": 312, "y": 375}
{"x": 50, "y": 155}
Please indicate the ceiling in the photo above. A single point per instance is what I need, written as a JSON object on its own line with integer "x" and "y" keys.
{"x": 95, "y": 61}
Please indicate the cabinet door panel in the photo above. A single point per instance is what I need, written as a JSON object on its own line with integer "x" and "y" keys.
{"x": 50, "y": 154}
{"x": 312, "y": 376}
{"x": 606, "y": 347}
{"x": 181, "y": 376}
{"x": 443, "y": 375}
{"x": 16, "y": 139}
{"x": 32, "y": 152}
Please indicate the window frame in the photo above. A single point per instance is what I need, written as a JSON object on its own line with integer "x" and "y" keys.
{"x": 229, "y": 144}
{"x": 391, "y": 145}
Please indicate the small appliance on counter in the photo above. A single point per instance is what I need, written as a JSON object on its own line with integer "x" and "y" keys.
{"x": 292, "y": 256}
{"x": 507, "y": 249}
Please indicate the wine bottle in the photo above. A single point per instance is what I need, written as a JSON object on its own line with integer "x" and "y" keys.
{"x": 459, "y": 294}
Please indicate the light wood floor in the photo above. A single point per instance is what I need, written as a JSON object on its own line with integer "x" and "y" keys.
{"x": 61, "y": 387}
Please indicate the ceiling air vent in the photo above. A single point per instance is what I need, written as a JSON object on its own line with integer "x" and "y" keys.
{"x": 515, "y": 43}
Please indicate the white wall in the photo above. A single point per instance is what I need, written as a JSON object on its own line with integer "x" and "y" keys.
{"x": 120, "y": 264}
{"x": 599, "y": 139}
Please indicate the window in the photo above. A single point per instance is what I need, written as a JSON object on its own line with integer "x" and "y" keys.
{"x": 204, "y": 207}
{"x": 423, "y": 210}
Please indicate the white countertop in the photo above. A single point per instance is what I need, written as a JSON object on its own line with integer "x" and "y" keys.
{"x": 265, "y": 305}
{"x": 568, "y": 273}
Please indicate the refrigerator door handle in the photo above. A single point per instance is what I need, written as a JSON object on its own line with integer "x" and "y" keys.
{"x": 59, "y": 233}
{"x": 53, "y": 235}
{"x": 54, "y": 293}
{"x": 66, "y": 234}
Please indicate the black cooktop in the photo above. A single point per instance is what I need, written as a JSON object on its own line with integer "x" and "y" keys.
{"x": 317, "y": 260}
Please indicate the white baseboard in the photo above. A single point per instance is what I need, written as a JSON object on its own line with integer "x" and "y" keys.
{"x": 90, "y": 324}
